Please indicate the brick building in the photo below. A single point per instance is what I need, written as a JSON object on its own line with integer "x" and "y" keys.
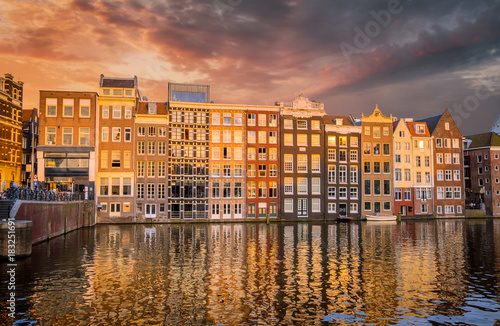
{"x": 447, "y": 147}
{"x": 377, "y": 138}
{"x": 151, "y": 160}
{"x": 341, "y": 176}
{"x": 66, "y": 151}
{"x": 117, "y": 103}
{"x": 302, "y": 165}
{"x": 11, "y": 104}
{"x": 262, "y": 162}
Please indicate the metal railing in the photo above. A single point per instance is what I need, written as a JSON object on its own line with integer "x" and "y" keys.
{"x": 38, "y": 194}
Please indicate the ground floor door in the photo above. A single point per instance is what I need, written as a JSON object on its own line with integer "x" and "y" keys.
{"x": 403, "y": 210}
{"x": 150, "y": 210}
{"x": 342, "y": 209}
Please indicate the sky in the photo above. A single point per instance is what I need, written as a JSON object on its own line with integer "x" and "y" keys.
{"x": 413, "y": 58}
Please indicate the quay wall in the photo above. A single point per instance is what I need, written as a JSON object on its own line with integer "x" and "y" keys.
{"x": 51, "y": 219}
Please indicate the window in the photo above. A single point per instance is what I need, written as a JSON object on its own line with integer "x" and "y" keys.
{"x": 387, "y": 187}
{"x": 128, "y": 112}
{"x": 342, "y": 193}
{"x": 407, "y": 175}
{"x": 343, "y": 141}
{"x": 227, "y": 119}
{"x": 315, "y": 163}
{"x": 301, "y": 124}
{"x": 376, "y": 187}
{"x": 115, "y": 207}
{"x": 226, "y": 190}
{"x": 238, "y": 119}
{"x": 447, "y": 175}
{"x": 128, "y": 134}
{"x": 116, "y": 133}
{"x": 251, "y": 137}
{"x": 273, "y": 170}
{"x": 251, "y": 189}
{"x": 407, "y": 194}
{"x": 104, "y": 159}
{"x": 117, "y": 112}
{"x": 367, "y": 131}
{"x": 447, "y": 143}
{"x": 367, "y": 148}
{"x": 215, "y": 190}
{"x": 302, "y": 186}
{"x": 84, "y": 108}
{"x": 273, "y": 120}
{"x": 439, "y": 143}
{"x": 367, "y": 166}
{"x": 301, "y": 139}
{"x": 353, "y": 156}
{"x": 397, "y": 158}
{"x": 151, "y": 169}
{"x": 315, "y": 186}
{"x": 262, "y": 170}
{"x": 447, "y": 158}
{"x": 287, "y": 123}
{"x": 152, "y": 148}
{"x": 376, "y": 132}
{"x": 51, "y": 109}
{"x": 354, "y": 174}
{"x": 238, "y": 192}
{"x": 302, "y": 207}
{"x": 354, "y": 193}
{"x": 288, "y": 166}
{"x": 397, "y": 175}
{"x": 376, "y": 167}
{"x": 315, "y": 140}
{"x": 332, "y": 192}
{"x": 85, "y": 136}
{"x": 262, "y": 189}
{"x": 301, "y": 162}
{"x": 439, "y": 209}
{"x": 354, "y": 141}
{"x": 68, "y": 106}
{"x": 216, "y": 153}
{"x": 458, "y": 192}
{"x": 105, "y": 134}
{"x": 419, "y": 177}
{"x": 251, "y": 119}
{"x": 427, "y": 161}
{"x": 315, "y": 125}
{"x": 368, "y": 206}
{"x": 456, "y": 175}
{"x": 162, "y": 168}
{"x": 216, "y": 118}
{"x": 288, "y": 205}
{"x": 226, "y": 169}
{"x": 332, "y": 154}
{"x": 115, "y": 186}
{"x": 262, "y": 137}
{"x": 288, "y": 187}
{"x": 331, "y": 173}
{"x": 386, "y": 131}
{"x": 439, "y": 158}
{"x": 342, "y": 174}
{"x": 67, "y": 133}
{"x": 397, "y": 194}
{"x": 316, "y": 205}
{"x": 343, "y": 155}
{"x": 331, "y": 208}
{"x": 447, "y": 126}
{"x": 262, "y": 120}
{"x": 332, "y": 141}
{"x": 104, "y": 187}
{"x": 140, "y": 147}
{"x": 151, "y": 190}
{"x": 251, "y": 170}
{"x": 262, "y": 154}
{"x": 354, "y": 207}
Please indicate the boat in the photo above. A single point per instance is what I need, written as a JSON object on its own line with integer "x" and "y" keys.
{"x": 376, "y": 217}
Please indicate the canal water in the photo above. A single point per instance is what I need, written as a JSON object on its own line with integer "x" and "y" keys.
{"x": 440, "y": 272}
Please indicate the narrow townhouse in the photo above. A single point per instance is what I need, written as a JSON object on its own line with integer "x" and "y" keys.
{"x": 423, "y": 168}
{"x": 447, "y": 147}
{"x": 117, "y": 103}
{"x": 66, "y": 152}
{"x": 262, "y": 165}
{"x": 376, "y": 138}
{"x": 11, "y": 105}
{"x": 227, "y": 162}
{"x": 342, "y": 172}
{"x": 404, "y": 169}
{"x": 29, "y": 145}
{"x": 188, "y": 151}
{"x": 151, "y": 160}
{"x": 302, "y": 167}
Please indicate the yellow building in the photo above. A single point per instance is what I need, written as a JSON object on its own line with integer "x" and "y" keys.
{"x": 11, "y": 134}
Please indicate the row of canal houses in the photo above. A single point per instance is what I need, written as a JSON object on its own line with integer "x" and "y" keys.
{"x": 191, "y": 159}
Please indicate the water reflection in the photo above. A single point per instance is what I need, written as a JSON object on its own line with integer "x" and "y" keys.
{"x": 444, "y": 271}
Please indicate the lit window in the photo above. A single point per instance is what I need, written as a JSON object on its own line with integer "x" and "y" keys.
{"x": 51, "y": 109}
{"x": 85, "y": 136}
{"x": 68, "y": 106}
{"x": 84, "y": 108}
{"x": 67, "y": 135}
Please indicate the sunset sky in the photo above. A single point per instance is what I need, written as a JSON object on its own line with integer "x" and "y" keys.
{"x": 412, "y": 58}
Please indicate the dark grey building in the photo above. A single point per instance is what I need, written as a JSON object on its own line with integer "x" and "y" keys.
{"x": 342, "y": 172}
{"x": 302, "y": 164}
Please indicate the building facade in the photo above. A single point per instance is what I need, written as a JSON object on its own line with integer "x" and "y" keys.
{"x": 447, "y": 147}
{"x": 151, "y": 160}
{"x": 29, "y": 145}
{"x": 403, "y": 163}
{"x": 117, "y": 103}
{"x": 482, "y": 173}
{"x": 376, "y": 138}
{"x": 66, "y": 149}
{"x": 341, "y": 176}
{"x": 188, "y": 161}
{"x": 262, "y": 162}
{"x": 11, "y": 134}
{"x": 227, "y": 162}
{"x": 301, "y": 159}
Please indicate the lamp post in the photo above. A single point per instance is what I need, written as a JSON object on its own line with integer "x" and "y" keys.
{"x": 32, "y": 151}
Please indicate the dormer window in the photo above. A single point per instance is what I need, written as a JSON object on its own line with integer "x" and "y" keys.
{"x": 420, "y": 129}
{"x": 447, "y": 126}
{"x": 338, "y": 122}
{"x": 105, "y": 91}
{"x": 128, "y": 92}
{"x": 117, "y": 92}
{"x": 151, "y": 108}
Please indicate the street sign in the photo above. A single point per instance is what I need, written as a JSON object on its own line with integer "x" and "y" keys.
{"x": 35, "y": 183}
{"x": 35, "y": 177}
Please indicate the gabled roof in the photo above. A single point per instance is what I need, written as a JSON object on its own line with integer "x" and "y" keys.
{"x": 431, "y": 122}
{"x": 486, "y": 139}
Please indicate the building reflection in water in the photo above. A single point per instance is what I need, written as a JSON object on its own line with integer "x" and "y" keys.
{"x": 252, "y": 274}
